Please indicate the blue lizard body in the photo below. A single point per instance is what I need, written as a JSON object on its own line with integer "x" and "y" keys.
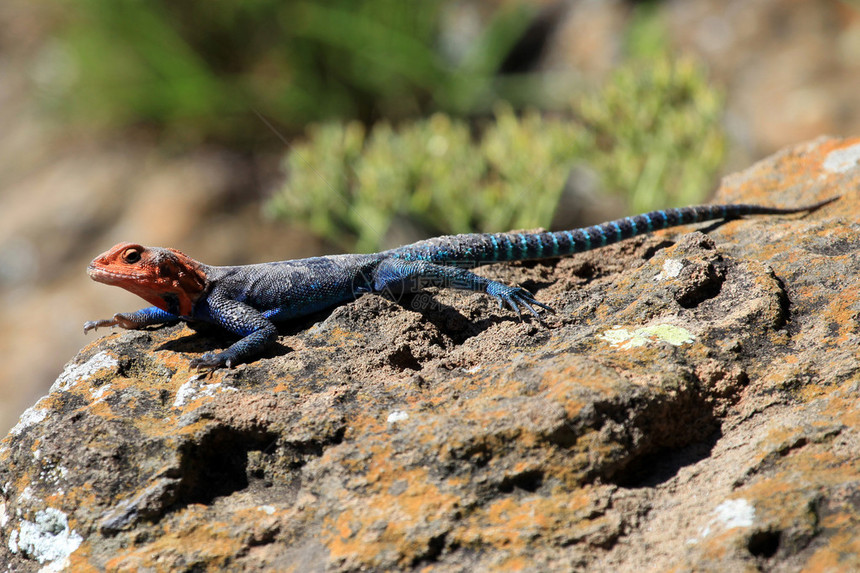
{"x": 248, "y": 300}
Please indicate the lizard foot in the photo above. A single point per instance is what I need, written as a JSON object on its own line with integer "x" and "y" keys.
{"x": 211, "y": 361}
{"x": 515, "y": 298}
{"x": 96, "y": 324}
{"x": 131, "y": 320}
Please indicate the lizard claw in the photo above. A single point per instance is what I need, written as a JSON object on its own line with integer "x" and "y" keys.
{"x": 517, "y": 298}
{"x": 96, "y": 324}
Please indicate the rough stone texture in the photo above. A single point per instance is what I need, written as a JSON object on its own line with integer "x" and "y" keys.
{"x": 692, "y": 406}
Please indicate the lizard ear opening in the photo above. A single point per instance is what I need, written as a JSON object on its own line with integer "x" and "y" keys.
{"x": 131, "y": 255}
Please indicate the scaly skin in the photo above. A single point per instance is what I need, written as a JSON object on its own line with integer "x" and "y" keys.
{"x": 248, "y": 300}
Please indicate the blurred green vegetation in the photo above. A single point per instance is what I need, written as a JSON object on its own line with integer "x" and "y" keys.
{"x": 652, "y": 134}
{"x": 348, "y": 185}
{"x": 657, "y": 134}
{"x": 469, "y": 163}
{"x": 656, "y": 122}
{"x": 196, "y": 71}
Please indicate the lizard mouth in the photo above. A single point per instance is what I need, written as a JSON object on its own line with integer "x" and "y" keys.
{"x": 103, "y": 275}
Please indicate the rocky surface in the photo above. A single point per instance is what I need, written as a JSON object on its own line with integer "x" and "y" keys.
{"x": 692, "y": 406}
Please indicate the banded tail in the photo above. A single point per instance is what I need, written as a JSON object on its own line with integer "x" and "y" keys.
{"x": 482, "y": 248}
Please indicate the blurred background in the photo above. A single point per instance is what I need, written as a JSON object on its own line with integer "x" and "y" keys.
{"x": 243, "y": 132}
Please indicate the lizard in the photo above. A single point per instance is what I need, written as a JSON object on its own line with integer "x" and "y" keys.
{"x": 249, "y": 300}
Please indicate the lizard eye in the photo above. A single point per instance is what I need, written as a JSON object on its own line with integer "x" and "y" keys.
{"x": 131, "y": 255}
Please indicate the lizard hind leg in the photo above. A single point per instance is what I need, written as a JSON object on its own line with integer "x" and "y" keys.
{"x": 398, "y": 275}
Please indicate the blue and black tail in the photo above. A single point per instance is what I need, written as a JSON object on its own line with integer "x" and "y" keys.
{"x": 481, "y": 248}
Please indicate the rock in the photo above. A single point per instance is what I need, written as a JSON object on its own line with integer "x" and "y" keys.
{"x": 693, "y": 405}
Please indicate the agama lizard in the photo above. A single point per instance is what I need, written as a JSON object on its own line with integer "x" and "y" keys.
{"x": 248, "y": 300}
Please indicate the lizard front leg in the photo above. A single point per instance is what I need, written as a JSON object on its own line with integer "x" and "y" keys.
{"x": 408, "y": 276}
{"x": 133, "y": 320}
{"x": 256, "y": 330}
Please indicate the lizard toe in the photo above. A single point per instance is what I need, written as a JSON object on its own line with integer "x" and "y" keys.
{"x": 517, "y": 299}
{"x": 525, "y": 299}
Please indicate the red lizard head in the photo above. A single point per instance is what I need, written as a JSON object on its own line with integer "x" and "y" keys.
{"x": 166, "y": 278}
